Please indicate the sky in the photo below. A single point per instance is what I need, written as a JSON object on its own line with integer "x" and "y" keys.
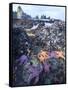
{"x": 34, "y": 10}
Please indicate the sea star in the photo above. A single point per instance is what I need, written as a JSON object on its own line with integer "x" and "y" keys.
{"x": 59, "y": 54}
{"x": 43, "y": 55}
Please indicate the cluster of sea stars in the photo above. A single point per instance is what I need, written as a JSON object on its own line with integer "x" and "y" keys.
{"x": 44, "y": 55}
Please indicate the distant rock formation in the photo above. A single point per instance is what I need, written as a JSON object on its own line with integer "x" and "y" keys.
{"x": 19, "y": 12}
